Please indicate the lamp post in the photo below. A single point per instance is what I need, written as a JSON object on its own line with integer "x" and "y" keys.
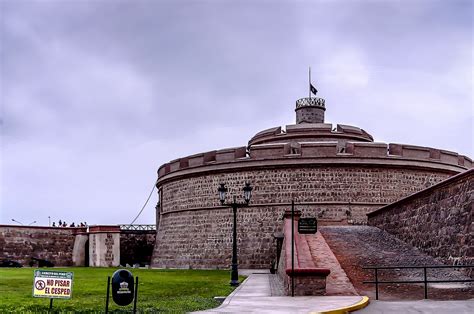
{"x": 234, "y": 274}
{"x": 33, "y": 222}
{"x": 17, "y": 221}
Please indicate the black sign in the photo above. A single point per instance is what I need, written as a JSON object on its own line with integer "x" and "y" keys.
{"x": 122, "y": 287}
{"x": 307, "y": 225}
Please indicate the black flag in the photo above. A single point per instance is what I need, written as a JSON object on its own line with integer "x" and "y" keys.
{"x": 313, "y": 89}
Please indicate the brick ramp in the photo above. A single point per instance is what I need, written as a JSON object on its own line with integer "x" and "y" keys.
{"x": 358, "y": 246}
{"x": 307, "y": 277}
{"x": 337, "y": 283}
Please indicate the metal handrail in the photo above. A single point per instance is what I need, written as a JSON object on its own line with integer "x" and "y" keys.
{"x": 404, "y": 267}
{"x": 138, "y": 227}
{"x": 425, "y": 281}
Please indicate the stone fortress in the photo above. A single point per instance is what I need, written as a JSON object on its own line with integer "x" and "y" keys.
{"x": 422, "y": 196}
{"x": 336, "y": 173}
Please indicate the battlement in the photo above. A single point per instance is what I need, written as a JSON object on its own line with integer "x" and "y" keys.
{"x": 311, "y": 131}
{"x": 358, "y": 149}
{"x": 207, "y": 158}
{"x": 314, "y": 152}
{"x": 314, "y": 127}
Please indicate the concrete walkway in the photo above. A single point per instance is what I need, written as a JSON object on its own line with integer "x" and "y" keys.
{"x": 254, "y": 295}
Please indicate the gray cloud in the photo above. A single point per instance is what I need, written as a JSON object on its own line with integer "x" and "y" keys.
{"x": 97, "y": 94}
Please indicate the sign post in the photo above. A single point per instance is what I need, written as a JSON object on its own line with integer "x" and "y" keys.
{"x": 292, "y": 248}
{"x": 53, "y": 285}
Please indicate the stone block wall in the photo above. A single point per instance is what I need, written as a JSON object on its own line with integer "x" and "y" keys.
{"x": 203, "y": 239}
{"x": 195, "y": 231}
{"x": 335, "y": 189}
{"x": 136, "y": 246}
{"x": 21, "y": 243}
{"x": 80, "y": 252}
{"x": 101, "y": 245}
{"x": 104, "y": 246}
{"x": 437, "y": 220}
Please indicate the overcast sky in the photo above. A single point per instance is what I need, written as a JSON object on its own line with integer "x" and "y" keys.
{"x": 96, "y": 95}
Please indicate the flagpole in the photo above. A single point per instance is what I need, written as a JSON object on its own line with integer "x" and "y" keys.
{"x": 309, "y": 86}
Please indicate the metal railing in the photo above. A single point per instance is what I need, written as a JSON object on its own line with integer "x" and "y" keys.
{"x": 138, "y": 227}
{"x": 425, "y": 280}
{"x": 313, "y": 101}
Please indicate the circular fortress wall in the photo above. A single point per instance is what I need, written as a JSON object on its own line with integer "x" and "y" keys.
{"x": 195, "y": 231}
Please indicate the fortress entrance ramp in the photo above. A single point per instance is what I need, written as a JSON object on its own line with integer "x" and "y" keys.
{"x": 359, "y": 246}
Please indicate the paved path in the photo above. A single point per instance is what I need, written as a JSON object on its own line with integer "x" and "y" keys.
{"x": 255, "y": 296}
{"x": 337, "y": 283}
{"x": 425, "y": 306}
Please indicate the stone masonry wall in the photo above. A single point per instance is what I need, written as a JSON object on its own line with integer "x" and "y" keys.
{"x": 195, "y": 231}
{"x": 21, "y": 243}
{"x": 203, "y": 239}
{"x": 437, "y": 220}
{"x": 136, "y": 246}
{"x": 67, "y": 246}
{"x": 104, "y": 248}
{"x": 330, "y": 187}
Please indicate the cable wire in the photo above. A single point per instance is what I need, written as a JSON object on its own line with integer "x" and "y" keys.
{"x": 149, "y": 196}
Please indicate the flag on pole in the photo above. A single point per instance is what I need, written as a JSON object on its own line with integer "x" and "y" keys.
{"x": 313, "y": 89}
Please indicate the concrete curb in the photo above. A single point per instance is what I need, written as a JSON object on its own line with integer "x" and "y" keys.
{"x": 343, "y": 310}
{"x": 230, "y": 296}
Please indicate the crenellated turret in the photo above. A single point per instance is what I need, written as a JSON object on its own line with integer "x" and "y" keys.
{"x": 310, "y": 110}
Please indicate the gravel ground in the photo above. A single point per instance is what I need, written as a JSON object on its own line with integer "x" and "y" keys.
{"x": 359, "y": 246}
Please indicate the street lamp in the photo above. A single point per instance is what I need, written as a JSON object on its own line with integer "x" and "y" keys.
{"x": 33, "y": 222}
{"x": 234, "y": 275}
{"x": 17, "y": 221}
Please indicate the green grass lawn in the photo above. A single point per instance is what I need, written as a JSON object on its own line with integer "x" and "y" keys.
{"x": 176, "y": 291}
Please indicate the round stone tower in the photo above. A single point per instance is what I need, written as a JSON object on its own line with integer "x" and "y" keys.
{"x": 336, "y": 173}
{"x": 310, "y": 110}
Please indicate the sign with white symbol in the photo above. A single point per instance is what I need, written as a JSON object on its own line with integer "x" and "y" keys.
{"x": 122, "y": 287}
{"x": 52, "y": 284}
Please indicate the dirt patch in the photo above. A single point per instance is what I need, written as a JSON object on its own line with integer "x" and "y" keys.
{"x": 359, "y": 246}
